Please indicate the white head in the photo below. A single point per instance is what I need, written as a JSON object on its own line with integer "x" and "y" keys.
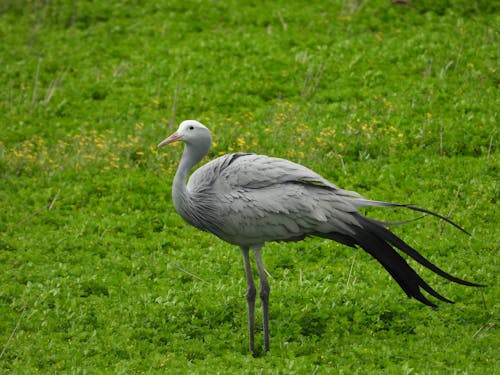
{"x": 192, "y": 133}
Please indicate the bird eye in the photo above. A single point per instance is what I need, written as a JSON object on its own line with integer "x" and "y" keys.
{"x": 191, "y": 127}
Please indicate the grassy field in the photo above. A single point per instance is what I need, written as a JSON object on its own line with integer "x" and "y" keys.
{"x": 98, "y": 274}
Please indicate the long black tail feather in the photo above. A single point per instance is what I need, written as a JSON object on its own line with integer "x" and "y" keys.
{"x": 381, "y": 243}
{"x": 395, "y": 264}
{"x": 420, "y": 209}
{"x": 361, "y": 202}
{"x": 394, "y": 240}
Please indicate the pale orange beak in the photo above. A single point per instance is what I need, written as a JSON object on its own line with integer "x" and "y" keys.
{"x": 173, "y": 138}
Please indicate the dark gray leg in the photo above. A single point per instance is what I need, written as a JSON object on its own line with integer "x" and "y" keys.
{"x": 264, "y": 296}
{"x": 250, "y": 296}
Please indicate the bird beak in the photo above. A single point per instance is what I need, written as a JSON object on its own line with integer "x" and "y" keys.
{"x": 173, "y": 138}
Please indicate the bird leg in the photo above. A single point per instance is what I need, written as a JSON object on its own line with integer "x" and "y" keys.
{"x": 264, "y": 296}
{"x": 250, "y": 296}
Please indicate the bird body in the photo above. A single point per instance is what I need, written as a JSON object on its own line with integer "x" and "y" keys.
{"x": 248, "y": 200}
{"x": 252, "y": 199}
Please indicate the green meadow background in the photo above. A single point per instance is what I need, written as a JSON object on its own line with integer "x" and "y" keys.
{"x": 98, "y": 274}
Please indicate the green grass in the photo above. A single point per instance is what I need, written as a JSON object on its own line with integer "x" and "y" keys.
{"x": 399, "y": 103}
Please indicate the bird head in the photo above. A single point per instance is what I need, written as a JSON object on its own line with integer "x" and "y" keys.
{"x": 190, "y": 132}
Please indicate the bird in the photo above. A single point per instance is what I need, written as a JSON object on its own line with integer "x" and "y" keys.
{"x": 248, "y": 199}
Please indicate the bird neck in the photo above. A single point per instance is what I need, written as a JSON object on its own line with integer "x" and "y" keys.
{"x": 180, "y": 193}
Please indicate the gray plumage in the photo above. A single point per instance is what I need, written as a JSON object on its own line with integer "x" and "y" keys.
{"x": 247, "y": 200}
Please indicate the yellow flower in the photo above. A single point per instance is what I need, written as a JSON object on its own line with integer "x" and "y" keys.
{"x": 240, "y": 142}
{"x": 320, "y": 141}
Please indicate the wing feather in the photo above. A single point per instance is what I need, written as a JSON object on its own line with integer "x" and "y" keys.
{"x": 282, "y": 212}
{"x": 253, "y": 171}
